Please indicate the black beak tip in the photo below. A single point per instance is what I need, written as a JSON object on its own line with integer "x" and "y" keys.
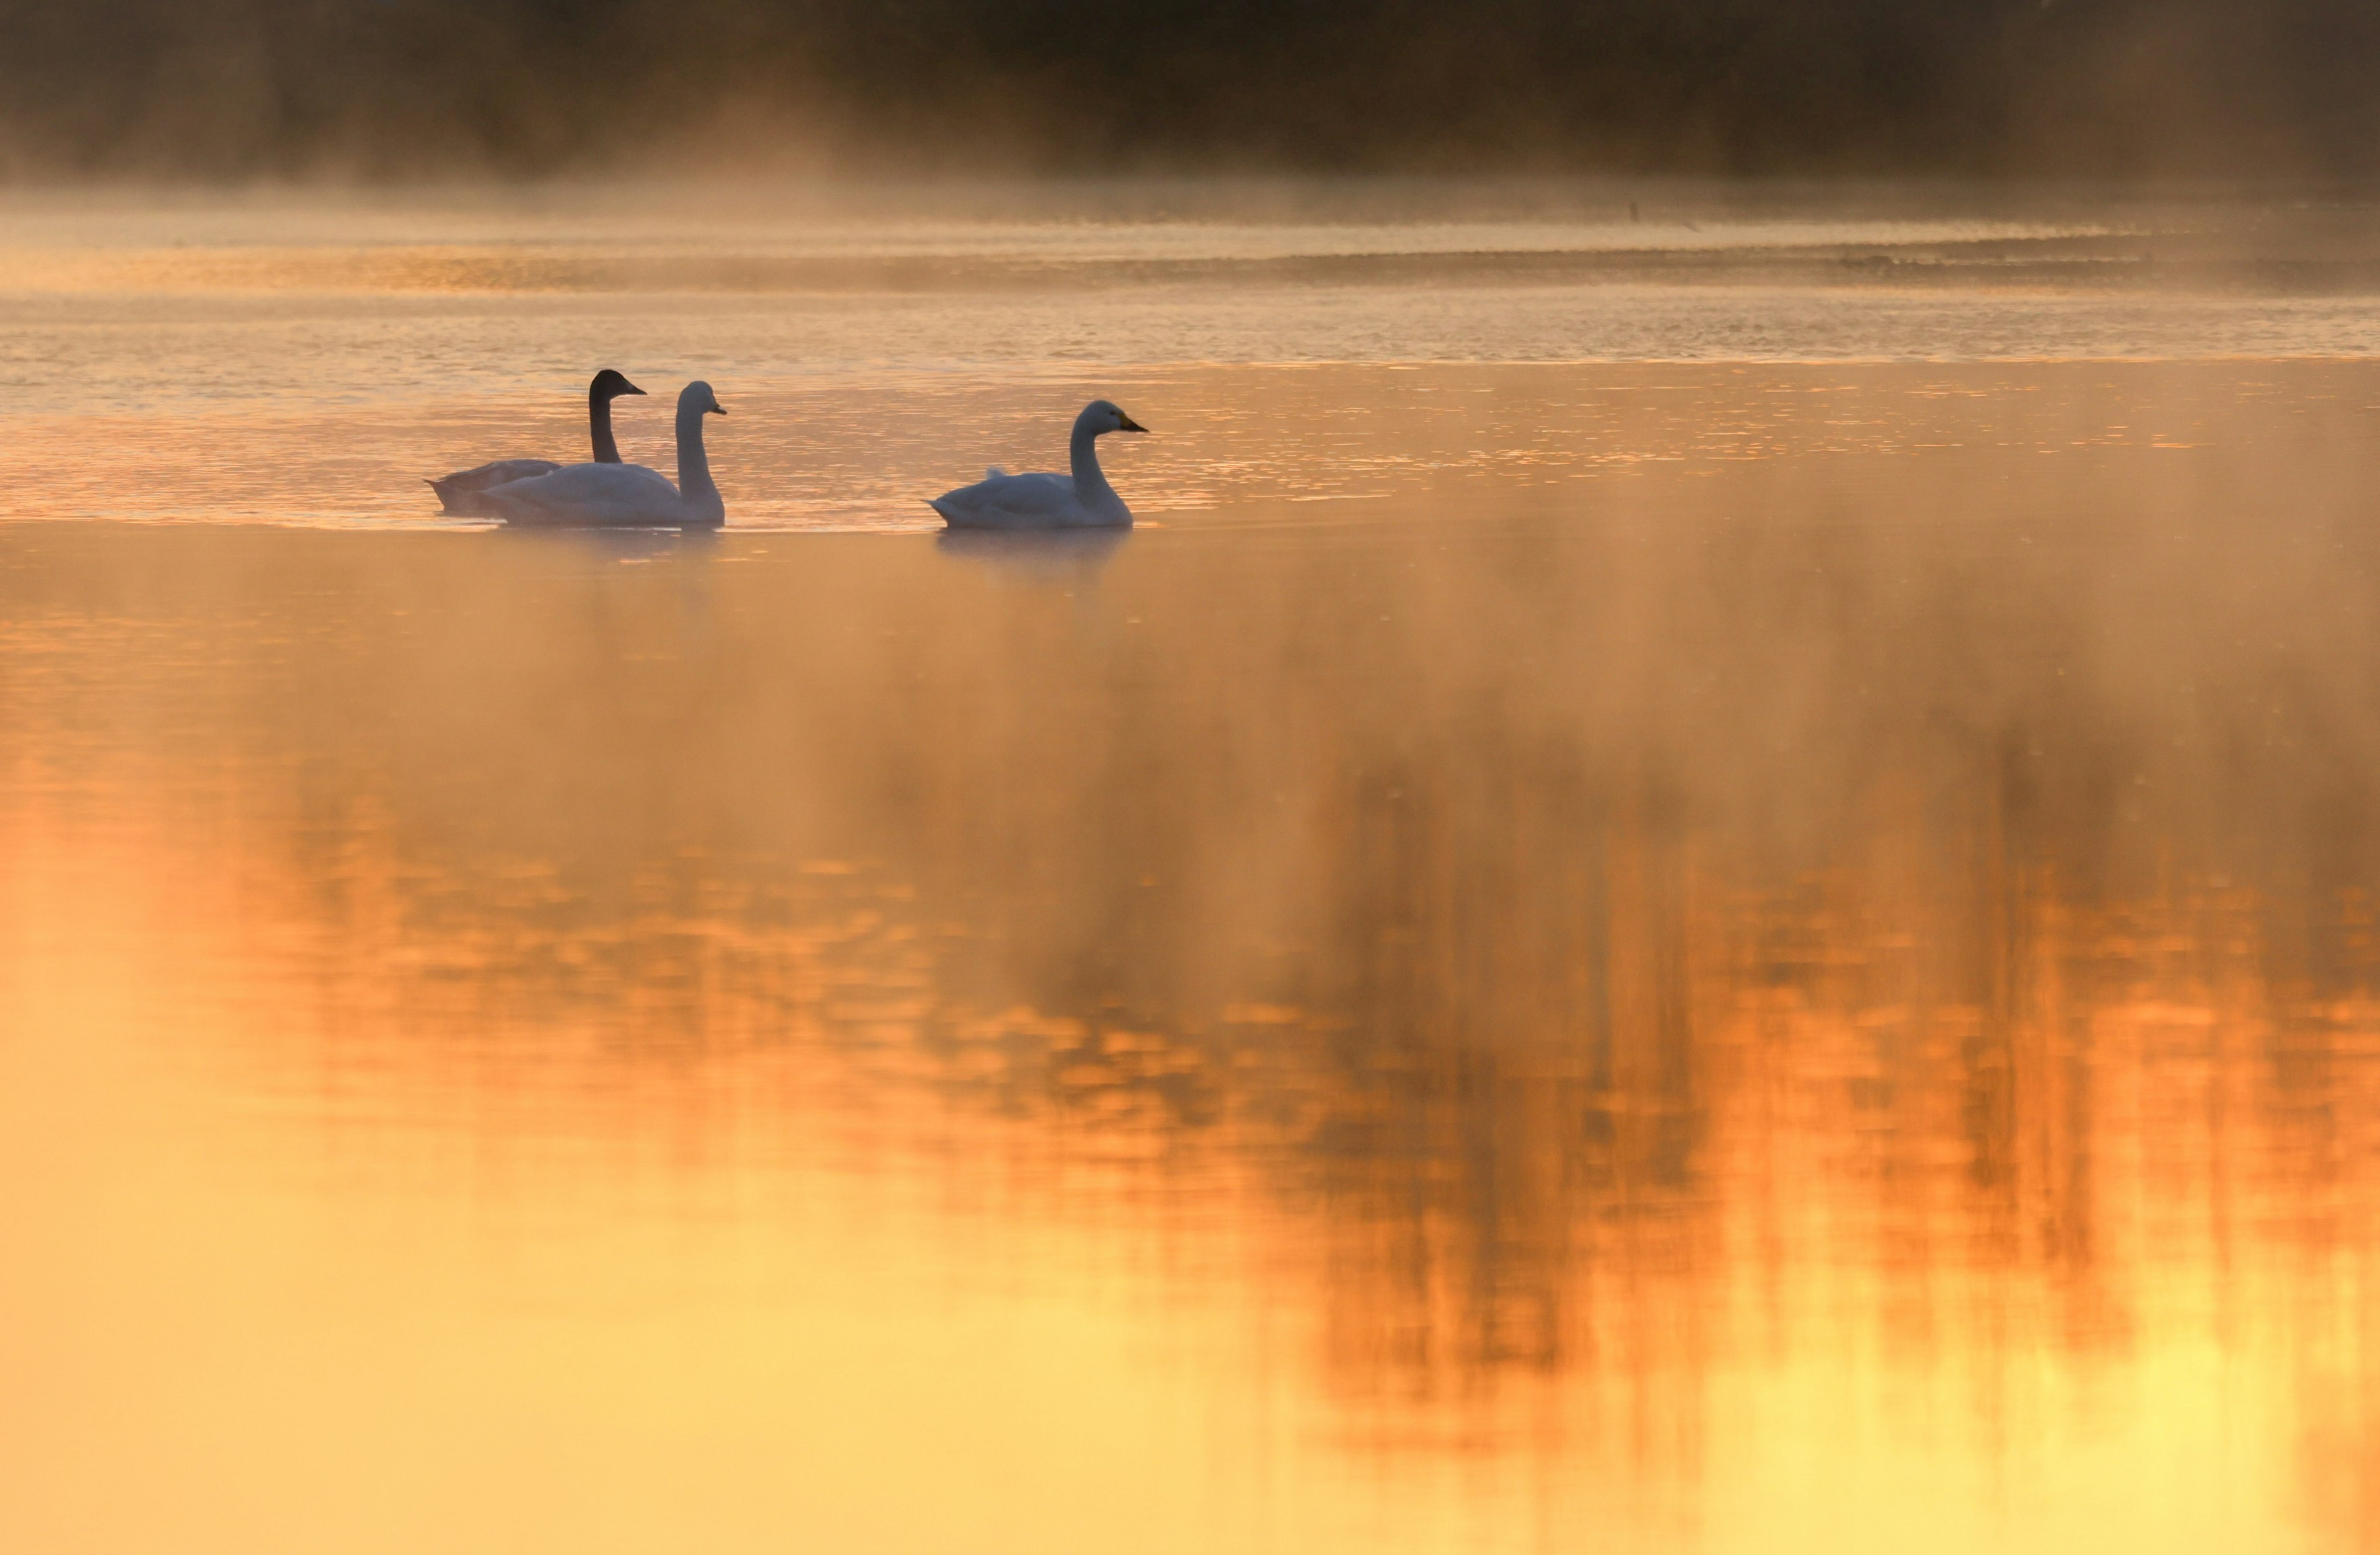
{"x": 630, "y": 389}
{"x": 1131, "y": 425}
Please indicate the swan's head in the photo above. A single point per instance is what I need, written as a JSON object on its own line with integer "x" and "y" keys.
{"x": 1106, "y": 416}
{"x": 697, "y": 397}
{"x": 611, "y": 383}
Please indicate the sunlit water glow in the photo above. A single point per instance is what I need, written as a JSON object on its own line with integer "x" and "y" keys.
{"x": 1695, "y": 914}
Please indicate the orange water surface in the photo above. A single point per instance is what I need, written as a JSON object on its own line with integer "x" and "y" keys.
{"x": 1714, "y": 955}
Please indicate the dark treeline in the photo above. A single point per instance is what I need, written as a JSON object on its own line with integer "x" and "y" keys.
{"x": 240, "y": 88}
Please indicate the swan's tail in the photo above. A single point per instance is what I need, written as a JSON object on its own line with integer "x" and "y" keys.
{"x": 447, "y": 496}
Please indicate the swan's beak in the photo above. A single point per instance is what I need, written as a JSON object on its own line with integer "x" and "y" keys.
{"x": 1129, "y": 424}
{"x": 717, "y": 408}
{"x": 628, "y": 388}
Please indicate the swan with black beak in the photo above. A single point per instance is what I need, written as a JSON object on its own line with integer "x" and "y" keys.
{"x": 460, "y": 492}
{"x": 626, "y": 496}
{"x": 1083, "y": 500}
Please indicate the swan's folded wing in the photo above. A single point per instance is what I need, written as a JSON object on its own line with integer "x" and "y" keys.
{"x": 460, "y": 491}
{"x": 1012, "y": 501}
{"x": 589, "y": 495}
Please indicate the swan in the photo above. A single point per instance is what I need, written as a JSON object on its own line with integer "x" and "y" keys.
{"x": 624, "y": 495}
{"x": 460, "y": 491}
{"x": 1081, "y": 501}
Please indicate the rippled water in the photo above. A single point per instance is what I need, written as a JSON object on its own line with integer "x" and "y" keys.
{"x": 1697, "y": 913}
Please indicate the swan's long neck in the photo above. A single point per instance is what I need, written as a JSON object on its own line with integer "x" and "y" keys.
{"x": 599, "y": 422}
{"x": 694, "y": 483}
{"x": 1091, "y": 482}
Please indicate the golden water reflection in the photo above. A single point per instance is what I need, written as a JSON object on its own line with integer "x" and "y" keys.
{"x": 1852, "y": 1031}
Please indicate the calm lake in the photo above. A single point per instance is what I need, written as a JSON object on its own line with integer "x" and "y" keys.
{"x": 1707, "y": 882}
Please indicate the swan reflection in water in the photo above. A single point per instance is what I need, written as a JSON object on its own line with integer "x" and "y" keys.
{"x": 1035, "y": 552}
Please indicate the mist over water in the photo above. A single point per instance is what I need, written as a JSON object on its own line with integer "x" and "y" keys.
{"x": 244, "y": 88}
{"x": 301, "y": 359}
{"x": 1705, "y": 881}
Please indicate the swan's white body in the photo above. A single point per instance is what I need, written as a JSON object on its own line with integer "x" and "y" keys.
{"x": 1083, "y": 500}
{"x": 624, "y": 496}
{"x": 462, "y": 492}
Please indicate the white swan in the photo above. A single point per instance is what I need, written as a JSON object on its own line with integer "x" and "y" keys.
{"x": 1081, "y": 501}
{"x": 624, "y": 495}
{"x": 460, "y": 491}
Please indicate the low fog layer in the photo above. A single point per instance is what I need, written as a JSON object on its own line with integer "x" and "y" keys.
{"x": 379, "y": 87}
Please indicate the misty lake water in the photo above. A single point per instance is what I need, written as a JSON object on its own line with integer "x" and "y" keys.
{"x": 1706, "y": 883}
